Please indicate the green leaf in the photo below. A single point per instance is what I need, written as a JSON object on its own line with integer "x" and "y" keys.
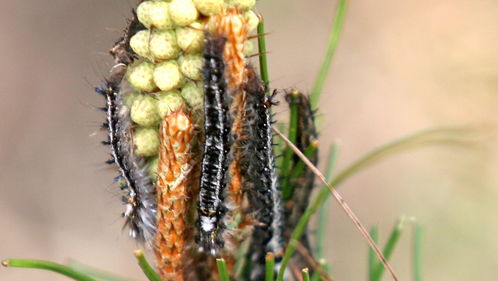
{"x": 222, "y": 270}
{"x": 263, "y": 62}
{"x": 145, "y": 266}
{"x": 285, "y": 168}
{"x": 335, "y": 31}
{"x": 270, "y": 267}
{"x": 389, "y": 248}
{"x": 46, "y": 265}
{"x": 323, "y": 213}
{"x": 306, "y": 274}
{"x": 372, "y": 259}
{"x": 433, "y": 136}
{"x": 95, "y": 272}
{"x": 417, "y": 252}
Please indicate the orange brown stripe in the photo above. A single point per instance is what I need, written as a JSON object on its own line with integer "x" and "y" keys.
{"x": 174, "y": 169}
{"x": 233, "y": 26}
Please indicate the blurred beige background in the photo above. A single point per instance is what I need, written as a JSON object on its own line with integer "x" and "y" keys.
{"x": 401, "y": 66}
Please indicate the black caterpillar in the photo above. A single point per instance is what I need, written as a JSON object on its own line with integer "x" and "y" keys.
{"x": 303, "y": 184}
{"x": 140, "y": 201}
{"x": 260, "y": 177}
{"x": 214, "y": 164}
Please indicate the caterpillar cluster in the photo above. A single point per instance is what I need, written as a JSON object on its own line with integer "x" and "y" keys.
{"x": 222, "y": 162}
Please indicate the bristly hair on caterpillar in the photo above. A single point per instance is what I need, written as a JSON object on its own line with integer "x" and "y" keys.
{"x": 214, "y": 163}
{"x": 260, "y": 176}
{"x": 140, "y": 200}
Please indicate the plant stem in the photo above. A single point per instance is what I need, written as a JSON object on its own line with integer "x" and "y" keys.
{"x": 417, "y": 252}
{"x": 438, "y": 135}
{"x": 342, "y": 203}
{"x": 263, "y": 62}
{"x": 145, "y": 266}
{"x": 331, "y": 47}
{"x": 299, "y": 168}
{"x": 222, "y": 270}
{"x": 306, "y": 274}
{"x": 389, "y": 248}
{"x": 323, "y": 264}
{"x": 270, "y": 267}
{"x": 287, "y": 189}
{"x": 97, "y": 273}
{"x": 59, "y": 268}
{"x": 323, "y": 213}
{"x": 402, "y": 144}
{"x": 372, "y": 260}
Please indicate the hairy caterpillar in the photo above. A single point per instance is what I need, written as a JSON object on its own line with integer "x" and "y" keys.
{"x": 303, "y": 183}
{"x": 260, "y": 177}
{"x": 214, "y": 163}
{"x": 140, "y": 210}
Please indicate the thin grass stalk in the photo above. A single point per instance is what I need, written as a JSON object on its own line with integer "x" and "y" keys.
{"x": 270, "y": 267}
{"x": 263, "y": 60}
{"x": 146, "y": 267}
{"x": 222, "y": 270}
{"x": 352, "y": 216}
{"x": 389, "y": 248}
{"x": 323, "y": 212}
{"x": 299, "y": 168}
{"x": 279, "y": 146}
{"x": 432, "y": 136}
{"x": 335, "y": 31}
{"x": 96, "y": 273}
{"x": 326, "y": 268}
{"x": 285, "y": 169}
{"x": 425, "y": 137}
{"x": 306, "y": 274}
{"x": 372, "y": 261}
{"x": 417, "y": 252}
{"x": 50, "y": 266}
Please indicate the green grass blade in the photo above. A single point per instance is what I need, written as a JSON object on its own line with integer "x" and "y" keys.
{"x": 263, "y": 61}
{"x": 145, "y": 266}
{"x": 433, "y": 136}
{"x": 299, "y": 168}
{"x": 298, "y": 231}
{"x": 241, "y": 259}
{"x": 417, "y": 252}
{"x": 222, "y": 270}
{"x": 372, "y": 259}
{"x": 331, "y": 47}
{"x": 306, "y": 274}
{"x": 419, "y": 139}
{"x": 323, "y": 264}
{"x": 286, "y": 166}
{"x": 97, "y": 273}
{"x": 279, "y": 146}
{"x": 323, "y": 212}
{"x": 270, "y": 267}
{"x": 389, "y": 248}
{"x": 58, "y": 268}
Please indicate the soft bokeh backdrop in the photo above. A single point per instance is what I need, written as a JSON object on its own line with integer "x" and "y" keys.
{"x": 401, "y": 66}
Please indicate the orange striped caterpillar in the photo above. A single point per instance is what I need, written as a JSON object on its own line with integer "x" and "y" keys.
{"x": 216, "y": 147}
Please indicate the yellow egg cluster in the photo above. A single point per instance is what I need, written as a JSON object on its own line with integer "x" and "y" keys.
{"x": 168, "y": 74}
